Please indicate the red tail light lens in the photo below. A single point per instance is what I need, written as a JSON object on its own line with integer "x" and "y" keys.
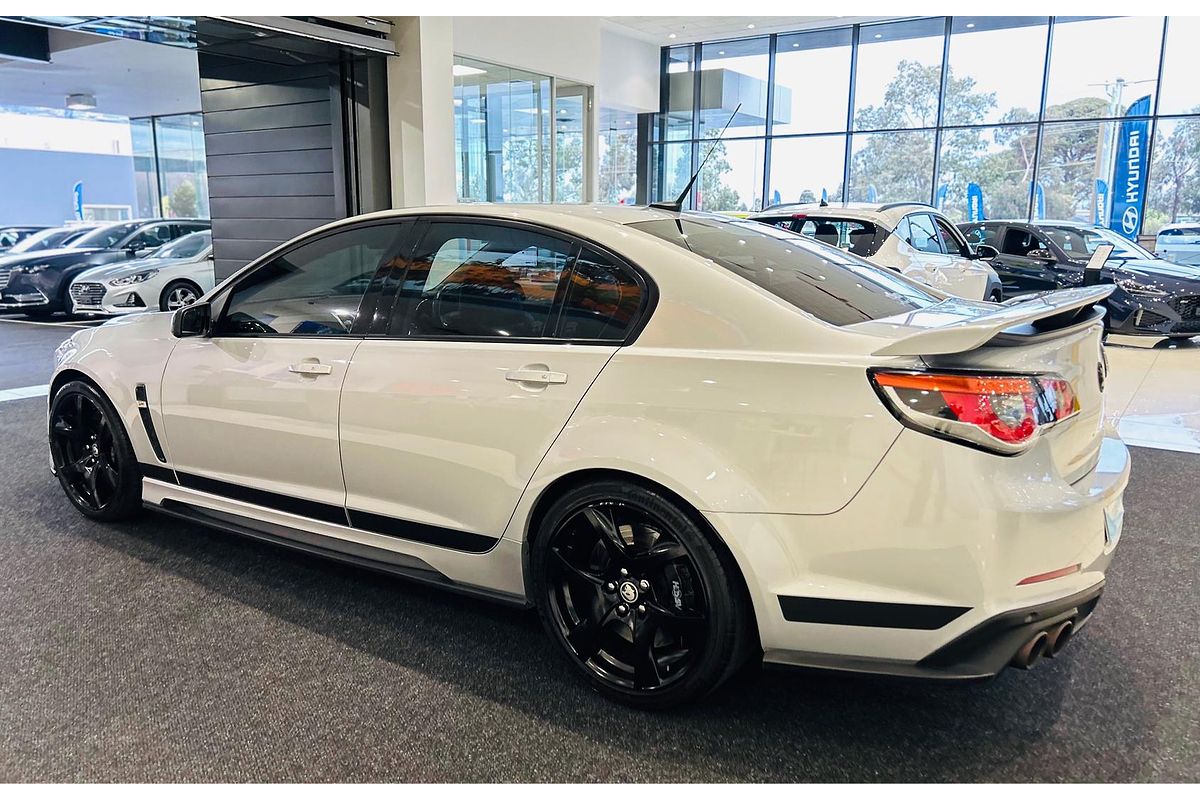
{"x": 1001, "y": 413}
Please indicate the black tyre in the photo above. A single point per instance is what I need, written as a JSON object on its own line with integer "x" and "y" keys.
{"x": 637, "y": 595}
{"x": 92, "y": 456}
{"x": 177, "y": 294}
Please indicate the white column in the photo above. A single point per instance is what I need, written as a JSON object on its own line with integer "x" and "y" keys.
{"x": 421, "y": 112}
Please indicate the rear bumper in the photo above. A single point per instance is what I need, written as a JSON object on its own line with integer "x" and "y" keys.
{"x": 942, "y": 545}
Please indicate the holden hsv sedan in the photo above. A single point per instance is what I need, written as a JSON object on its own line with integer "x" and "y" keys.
{"x": 688, "y": 441}
{"x": 173, "y": 276}
{"x": 37, "y": 283}
{"x": 1151, "y": 296}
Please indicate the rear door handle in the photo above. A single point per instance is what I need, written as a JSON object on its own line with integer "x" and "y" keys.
{"x": 535, "y": 376}
{"x": 310, "y": 368}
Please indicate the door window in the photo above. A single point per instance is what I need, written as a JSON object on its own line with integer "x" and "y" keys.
{"x": 151, "y": 238}
{"x": 950, "y": 241}
{"x": 601, "y": 302}
{"x": 984, "y": 234}
{"x": 1018, "y": 242}
{"x": 923, "y": 233}
{"x": 312, "y": 290}
{"x": 480, "y": 280}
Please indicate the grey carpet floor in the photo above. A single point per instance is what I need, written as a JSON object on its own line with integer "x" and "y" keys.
{"x": 160, "y": 651}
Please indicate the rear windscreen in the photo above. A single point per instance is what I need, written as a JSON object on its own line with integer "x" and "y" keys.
{"x": 827, "y": 283}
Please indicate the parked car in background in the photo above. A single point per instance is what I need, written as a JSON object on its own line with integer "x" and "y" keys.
{"x": 912, "y": 238}
{"x": 37, "y": 283}
{"x": 173, "y": 276}
{"x": 47, "y": 239}
{"x": 688, "y": 441}
{"x": 1153, "y": 296}
{"x": 13, "y": 234}
{"x": 1179, "y": 244}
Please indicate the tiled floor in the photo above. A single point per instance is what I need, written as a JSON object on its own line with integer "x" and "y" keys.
{"x": 1153, "y": 392}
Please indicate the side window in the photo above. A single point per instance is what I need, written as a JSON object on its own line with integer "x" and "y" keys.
{"x": 312, "y": 290}
{"x": 1019, "y": 242}
{"x": 602, "y": 300}
{"x": 983, "y": 234}
{"x": 152, "y": 237}
{"x": 922, "y": 233}
{"x": 471, "y": 279}
{"x": 951, "y": 238}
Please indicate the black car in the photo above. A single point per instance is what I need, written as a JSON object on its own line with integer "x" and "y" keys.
{"x": 37, "y": 282}
{"x": 1153, "y": 297}
{"x": 46, "y": 239}
{"x": 11, "y": 235}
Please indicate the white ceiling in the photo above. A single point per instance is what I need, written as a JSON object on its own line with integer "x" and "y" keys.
{"x": 695, "y": 29}
{"x": 128, "y": 78}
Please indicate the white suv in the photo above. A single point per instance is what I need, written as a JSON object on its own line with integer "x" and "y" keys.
{"x": 912, "y": 238}
{"x": 1179, "y": 243}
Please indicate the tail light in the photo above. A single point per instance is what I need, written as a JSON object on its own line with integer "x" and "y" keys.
{"x": 1000, "y": 413}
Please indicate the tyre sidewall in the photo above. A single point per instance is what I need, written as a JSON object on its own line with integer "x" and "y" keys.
{"x": 129, "y": 494}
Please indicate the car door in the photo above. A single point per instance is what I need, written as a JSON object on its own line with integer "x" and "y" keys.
{"x": 1024, "y": 264}
{"x": 496, "y": 332}
{"x": 251, "y": 411}
{"x": 928, "y": 261}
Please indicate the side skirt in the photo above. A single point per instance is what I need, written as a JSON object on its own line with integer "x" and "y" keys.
{"x": 376, "y": 559}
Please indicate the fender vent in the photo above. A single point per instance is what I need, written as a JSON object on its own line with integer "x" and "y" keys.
{"x": 143, "y": 405}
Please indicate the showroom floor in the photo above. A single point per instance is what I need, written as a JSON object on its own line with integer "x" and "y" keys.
{"x": 162, "y": 651}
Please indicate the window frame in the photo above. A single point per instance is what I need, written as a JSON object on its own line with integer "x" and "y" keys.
{"x": 367, "y": 305}
{"x": 649, "y": 290}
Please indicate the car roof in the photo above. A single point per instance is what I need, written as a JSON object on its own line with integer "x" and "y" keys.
{"x": 888, "y": 214}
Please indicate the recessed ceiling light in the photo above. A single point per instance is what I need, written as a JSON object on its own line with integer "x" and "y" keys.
{"x": 720, "y": 52}
{"x": 81, "y": 102}
{"x": 795, "y": 44}
{"x": 970, "y": 24}
{"x": 879, "y": 36}
{"x": 670, "y": 36}
{"x": 751, "y": 25}
{"x": 462, "y": 71}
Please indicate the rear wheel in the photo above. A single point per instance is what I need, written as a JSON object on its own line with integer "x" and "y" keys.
{"x": 178, "y": 294}
{"x": 92, "y": 455}
{"x": 637, "y": 596}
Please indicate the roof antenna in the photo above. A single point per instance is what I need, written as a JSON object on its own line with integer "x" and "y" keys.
{"x": 677, "y": 204}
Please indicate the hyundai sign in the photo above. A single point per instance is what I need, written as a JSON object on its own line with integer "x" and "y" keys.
{"x": 1129, "y": 172}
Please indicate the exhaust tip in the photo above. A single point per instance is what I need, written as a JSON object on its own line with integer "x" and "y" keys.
{"x": 1057, "y": 638}
{"x": 1031, "y": 651}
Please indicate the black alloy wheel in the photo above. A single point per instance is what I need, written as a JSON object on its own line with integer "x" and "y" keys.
{"x": 637, "y": 596}
{"x": 92, "y": 456}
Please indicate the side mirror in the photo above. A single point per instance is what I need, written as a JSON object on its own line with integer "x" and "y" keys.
{"x": 1043, "y": 255}
{"x": 193, "y": 320}
{"x": 986, "y": 252}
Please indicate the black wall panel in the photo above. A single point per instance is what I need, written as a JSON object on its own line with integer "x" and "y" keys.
{"x": 272, "y": 137}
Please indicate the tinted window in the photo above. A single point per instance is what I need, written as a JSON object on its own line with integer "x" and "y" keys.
{"x": 859, "y": 237}
{"x": 471, "y": 279}
{"x": 186, "y": 246}
{"x": 922, "y": 234}
{"x": 1018, "y": 242}
{"x": 151, "y": 238}
{"x": 950, "y": 242}
{"x": 106, "y": 236}
{"x": 983, "y": 234}
{"x": 314, "y": 289}
{"x": 837, "y": 288}
{"x": 601, "y": 301}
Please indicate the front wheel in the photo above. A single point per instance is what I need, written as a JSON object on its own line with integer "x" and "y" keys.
{"x": 637, "y": 596}
{"x": 178, "y": 294}
{"x": 93, "y": 458}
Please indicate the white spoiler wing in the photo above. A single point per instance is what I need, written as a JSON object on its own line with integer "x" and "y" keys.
{"x": 957, "y": 326}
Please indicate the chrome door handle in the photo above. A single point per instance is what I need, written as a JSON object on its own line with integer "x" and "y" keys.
{"x": 535, "y": 376}
{"x": 310, "y": 368}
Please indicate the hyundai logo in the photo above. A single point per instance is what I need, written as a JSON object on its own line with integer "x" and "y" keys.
{"x": 1129, "y": 220}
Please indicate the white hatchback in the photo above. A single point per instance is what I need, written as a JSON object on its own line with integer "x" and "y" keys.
{"x": 173, "y": 276}
{"x": 911, "y": 238}
{"x": 688, "y": 441}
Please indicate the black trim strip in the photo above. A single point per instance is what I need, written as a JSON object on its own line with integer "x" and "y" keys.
{"x": 325, "y": 512}
{"x": 463, "y": 541}
{"x": 155, "y": 472}
{"x": 139, "y": 393}
{"x": 420, "y": 532}
{"x": 908, "y": 616}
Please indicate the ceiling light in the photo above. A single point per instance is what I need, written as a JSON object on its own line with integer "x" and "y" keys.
{"x": 751, "y": 25}
{"x": 720, "y": 52}
{"x": 462, "y": 71}
{"x": 670, "y": 36}
{"x": 970, "y": 24}
{"x": 795, "y": 44}
{"x": 478, "y": 121}
{"x": 879, "y": 36}
{"x": 81, "y": 102}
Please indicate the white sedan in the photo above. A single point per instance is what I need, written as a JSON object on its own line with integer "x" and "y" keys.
{"x": 173, "y": 276}
{"x": 688, "y": 441}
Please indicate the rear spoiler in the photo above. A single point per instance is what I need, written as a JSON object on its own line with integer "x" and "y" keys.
{"x": 1044, "y": 312}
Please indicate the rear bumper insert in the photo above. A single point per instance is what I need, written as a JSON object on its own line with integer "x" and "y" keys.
{"x": 980, "y": 653}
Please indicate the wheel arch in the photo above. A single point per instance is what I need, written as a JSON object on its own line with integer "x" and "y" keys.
{"x": 565, "y": 483}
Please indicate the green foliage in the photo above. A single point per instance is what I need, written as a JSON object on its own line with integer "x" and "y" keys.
{"x": 182, "y": 202}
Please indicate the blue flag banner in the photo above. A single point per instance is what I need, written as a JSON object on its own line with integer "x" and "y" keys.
{"x": 975, "y": 203}
{"x": 77, "y": 200}
{"x": 1129, "y": 171}
{"x": 776, "y": 198}
{"x": 1039, "y": 202}
{"x": 1101, "y": 202}
{"x": 872, "y": 194}
{"x": 824, "y": 196}
{"x": 939, "y": 201}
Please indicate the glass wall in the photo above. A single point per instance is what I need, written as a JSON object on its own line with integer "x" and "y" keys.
{"x": 1029, "y": 117}
{"x": 519, "y": 137}
{"x": 617, "y": 149}
{"x": 169, "y": 169}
